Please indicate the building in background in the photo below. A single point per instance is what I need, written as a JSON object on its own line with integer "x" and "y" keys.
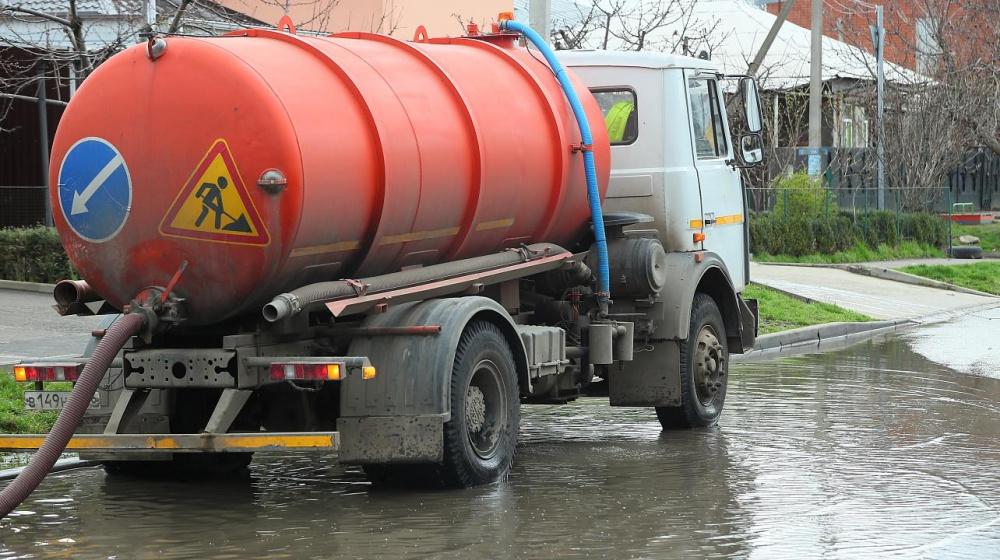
{"x": 913, "y": 36}
{"x": 399, "y": 18}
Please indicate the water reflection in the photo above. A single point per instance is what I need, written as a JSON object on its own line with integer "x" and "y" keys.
{"x": 870, "y": 451}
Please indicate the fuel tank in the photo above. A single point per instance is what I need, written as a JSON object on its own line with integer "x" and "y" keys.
{"x": 268, "y": 160}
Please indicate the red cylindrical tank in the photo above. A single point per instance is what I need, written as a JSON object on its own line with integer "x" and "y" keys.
{"x": 269, "y": 160}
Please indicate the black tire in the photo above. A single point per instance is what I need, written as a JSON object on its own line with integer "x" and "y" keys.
{"x": 479, "y": 439}
{"x": 966, "y": 252}
{"x": 704, "y": 365}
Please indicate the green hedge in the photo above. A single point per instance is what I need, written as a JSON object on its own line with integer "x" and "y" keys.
{"x": 33, "y": 255}
{"x": 778, "y": 234}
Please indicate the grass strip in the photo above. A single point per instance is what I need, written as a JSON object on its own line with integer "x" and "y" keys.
{"x": 982, "y": 276}
{"x": 14, "y": 419}
{"x": 779, "y": 312}
{"x": 860, "y": 253}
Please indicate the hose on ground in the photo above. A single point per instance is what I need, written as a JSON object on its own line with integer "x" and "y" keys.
{"x": 79, "y": 400}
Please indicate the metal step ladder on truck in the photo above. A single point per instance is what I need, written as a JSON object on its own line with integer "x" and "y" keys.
{"x": 441, "y": 230}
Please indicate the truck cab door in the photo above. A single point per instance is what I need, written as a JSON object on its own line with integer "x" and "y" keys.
{"x": 721, "y": 189}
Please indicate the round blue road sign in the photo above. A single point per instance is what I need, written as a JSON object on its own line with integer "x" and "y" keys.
{"x": 95, "y": 189}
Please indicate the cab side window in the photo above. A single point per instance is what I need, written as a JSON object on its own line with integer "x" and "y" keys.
{"x": 706, "y": 117}
{"x": 621, "y": 114}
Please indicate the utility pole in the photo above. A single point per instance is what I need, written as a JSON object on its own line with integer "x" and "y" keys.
{"x": 43, "y": 141}
{"x": 816, "y": 81}
{"x": 786, "y": 7}
{"x": 540, "y": 18}
{"x": 878, "y": 39}
{"x": 150, "y": 13}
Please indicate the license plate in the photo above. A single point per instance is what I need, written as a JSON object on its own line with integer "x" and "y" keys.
{"x": 53, "y": 400}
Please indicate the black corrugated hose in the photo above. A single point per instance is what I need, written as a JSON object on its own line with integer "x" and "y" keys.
{"x": 79, "y": 399}
{"x": 306, "y": 297}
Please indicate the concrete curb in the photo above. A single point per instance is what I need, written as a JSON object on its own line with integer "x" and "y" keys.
{"x": 815, "y": 338}
{"x": 832, "y": 336}
{"x": 803, "y": 265}
{"x": 907, "y": 278}
{"x": 26, "y": 286}
{"x": 815, "y": 334}
{"x": 61, "y": 465}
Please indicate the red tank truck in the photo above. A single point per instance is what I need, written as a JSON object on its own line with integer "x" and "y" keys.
{"x": 373, "y": 246}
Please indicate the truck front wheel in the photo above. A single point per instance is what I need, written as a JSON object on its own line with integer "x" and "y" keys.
{"x": 704, "y": 365}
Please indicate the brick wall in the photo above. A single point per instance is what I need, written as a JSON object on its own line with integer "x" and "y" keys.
{"x": 849, "y": 20}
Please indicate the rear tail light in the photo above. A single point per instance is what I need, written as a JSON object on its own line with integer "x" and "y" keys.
{"x": 307, "y": 372}
{"x": 46, "y": 372}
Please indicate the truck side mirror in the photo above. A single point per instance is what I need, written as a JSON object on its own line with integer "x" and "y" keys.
{"x": 751, "y": 105}
{"x": 752, "y": 149}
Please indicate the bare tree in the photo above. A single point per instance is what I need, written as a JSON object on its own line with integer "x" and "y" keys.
{"x": 671, "y": 26}
{"x": 40, "y": 45}
{"x": 62, "y": 44}
{"x": 935, "y": 116}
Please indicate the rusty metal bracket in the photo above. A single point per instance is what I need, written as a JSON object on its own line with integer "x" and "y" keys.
{"x": 360, "y": 288}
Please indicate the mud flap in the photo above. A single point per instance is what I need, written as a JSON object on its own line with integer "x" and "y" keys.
{"x": 391, "y": 439}
{"x": 652, "y": 378}
{"x": 750, "y": 321}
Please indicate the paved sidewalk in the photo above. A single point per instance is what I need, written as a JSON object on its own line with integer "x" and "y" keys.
{"x": 877, "y": 298}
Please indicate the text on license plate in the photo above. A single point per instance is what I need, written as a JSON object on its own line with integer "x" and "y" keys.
{"x": 53, "y": 400}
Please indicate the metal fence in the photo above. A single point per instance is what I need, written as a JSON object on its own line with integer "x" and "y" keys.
{"x": 849, "y": 174}
{"x": 22, "y": 206}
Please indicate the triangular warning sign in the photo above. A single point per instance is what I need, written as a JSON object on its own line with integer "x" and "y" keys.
{"x": 214, "y": 204}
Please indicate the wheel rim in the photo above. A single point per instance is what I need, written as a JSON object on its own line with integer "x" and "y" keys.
{"x": 485, "y": 413}
{"x": 709, "y": 366}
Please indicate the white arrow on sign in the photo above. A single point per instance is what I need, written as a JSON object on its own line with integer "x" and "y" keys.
{"x": 81, "y": 198}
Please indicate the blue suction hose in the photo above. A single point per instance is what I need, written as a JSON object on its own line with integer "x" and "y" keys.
{"x": 593, "y": 194}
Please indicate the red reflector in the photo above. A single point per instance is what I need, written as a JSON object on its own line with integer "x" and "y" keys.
{"x": 306, "y": 371}
{"x": 46, "y": 372}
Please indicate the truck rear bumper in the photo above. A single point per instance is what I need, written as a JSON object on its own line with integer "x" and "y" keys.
{"x": 182, "y": 443}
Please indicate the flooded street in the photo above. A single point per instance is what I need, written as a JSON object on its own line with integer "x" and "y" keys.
{"x": 871, "y": 451}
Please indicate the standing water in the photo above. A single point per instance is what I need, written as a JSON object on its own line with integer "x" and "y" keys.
{"x": 872, "y": 451}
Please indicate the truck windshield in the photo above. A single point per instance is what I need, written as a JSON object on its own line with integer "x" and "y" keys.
{"x": 621, "y": 115}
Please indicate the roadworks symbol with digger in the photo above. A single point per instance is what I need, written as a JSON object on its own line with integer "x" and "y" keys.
{"x": 214, "y": 204}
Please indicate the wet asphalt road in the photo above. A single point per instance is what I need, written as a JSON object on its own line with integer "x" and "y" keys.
{"x": 890, "y": 448}
{"x": 30, "y": 328}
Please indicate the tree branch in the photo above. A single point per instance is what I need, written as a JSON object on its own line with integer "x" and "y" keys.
{"x": 36, "y": 13}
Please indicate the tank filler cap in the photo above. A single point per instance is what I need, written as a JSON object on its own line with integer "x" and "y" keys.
{"x": 272, "y": 181}
{"x": 156, "y": 47}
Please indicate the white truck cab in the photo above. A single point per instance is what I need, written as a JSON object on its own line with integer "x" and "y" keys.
{"x": 672, "y": 157}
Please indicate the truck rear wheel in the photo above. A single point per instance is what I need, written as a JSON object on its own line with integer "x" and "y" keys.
{"x": 479, "y": 439}
{"x": 704, "y": 367}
